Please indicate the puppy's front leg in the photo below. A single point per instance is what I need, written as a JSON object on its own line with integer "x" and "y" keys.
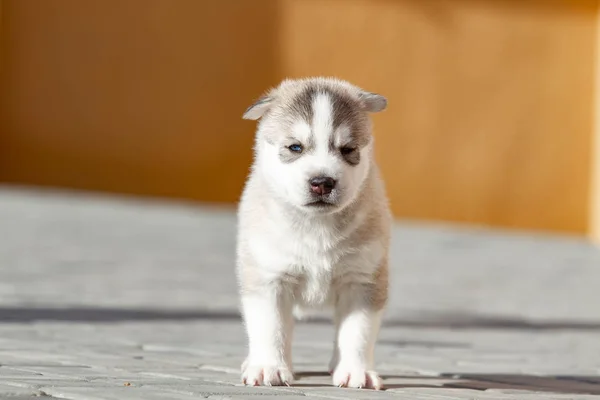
{"x": 358, "y": 319}
{"x": 269, "y": 325}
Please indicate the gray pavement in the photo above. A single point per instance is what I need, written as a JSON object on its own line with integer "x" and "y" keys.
{"x": 119, "y": 298}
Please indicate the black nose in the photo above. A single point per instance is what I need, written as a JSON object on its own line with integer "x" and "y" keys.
{"x": 322, "y": 185}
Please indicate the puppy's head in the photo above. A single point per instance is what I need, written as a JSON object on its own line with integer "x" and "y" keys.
{"x": 313, "y": 143}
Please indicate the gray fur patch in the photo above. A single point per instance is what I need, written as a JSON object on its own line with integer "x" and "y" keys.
{"x": 345, "y": 109}
{"x": 295, "y": 103}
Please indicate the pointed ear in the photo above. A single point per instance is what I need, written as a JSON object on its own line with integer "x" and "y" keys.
{"x": 373, "y": 102}
{"x": 257, "y": 110}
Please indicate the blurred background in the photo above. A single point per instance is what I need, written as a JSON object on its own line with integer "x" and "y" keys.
{"x": 491, "y": 117}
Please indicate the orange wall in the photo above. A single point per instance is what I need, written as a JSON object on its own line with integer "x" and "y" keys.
{"x": 490, "y": 101}
{"x": 594, "y": 208}
{"x": 490, "y": 115}
{"x": 138, "y": 96}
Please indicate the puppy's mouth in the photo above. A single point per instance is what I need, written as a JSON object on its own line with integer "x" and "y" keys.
{"x": 320, "y": 204}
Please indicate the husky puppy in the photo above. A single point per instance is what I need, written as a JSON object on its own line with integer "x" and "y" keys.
{"x": 313, "y": 229}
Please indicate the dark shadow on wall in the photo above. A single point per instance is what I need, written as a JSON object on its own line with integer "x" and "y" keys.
{"x": 440, "y": 321}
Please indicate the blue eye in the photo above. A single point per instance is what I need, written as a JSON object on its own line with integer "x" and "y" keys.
{"x": 296, "y": 148}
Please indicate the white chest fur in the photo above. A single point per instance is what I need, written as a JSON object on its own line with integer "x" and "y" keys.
{"x": 311, "y": 256}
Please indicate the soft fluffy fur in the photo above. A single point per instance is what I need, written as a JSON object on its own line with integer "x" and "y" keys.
{"x": 301, "y": 250}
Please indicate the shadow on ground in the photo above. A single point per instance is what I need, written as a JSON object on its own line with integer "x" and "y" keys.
{"x": 432, "y": 321}
{"x": 565, "y": 384}
{"x": 92, "y": 314}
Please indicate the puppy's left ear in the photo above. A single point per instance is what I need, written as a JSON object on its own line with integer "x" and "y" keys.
{"x": 373, "y": 102}
{"x": 259, "y": 108}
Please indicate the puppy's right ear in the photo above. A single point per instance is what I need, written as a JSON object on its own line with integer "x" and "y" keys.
{"x": 259, "y": 108}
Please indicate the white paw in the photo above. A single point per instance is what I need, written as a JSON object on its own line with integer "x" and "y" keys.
{"x": 355, "y": 376}
{"x": 266, "y": 375}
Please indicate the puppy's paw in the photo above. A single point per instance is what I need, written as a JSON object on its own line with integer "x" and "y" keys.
{"x": 355, "y": 376}
{"x": 266, "y": 375}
